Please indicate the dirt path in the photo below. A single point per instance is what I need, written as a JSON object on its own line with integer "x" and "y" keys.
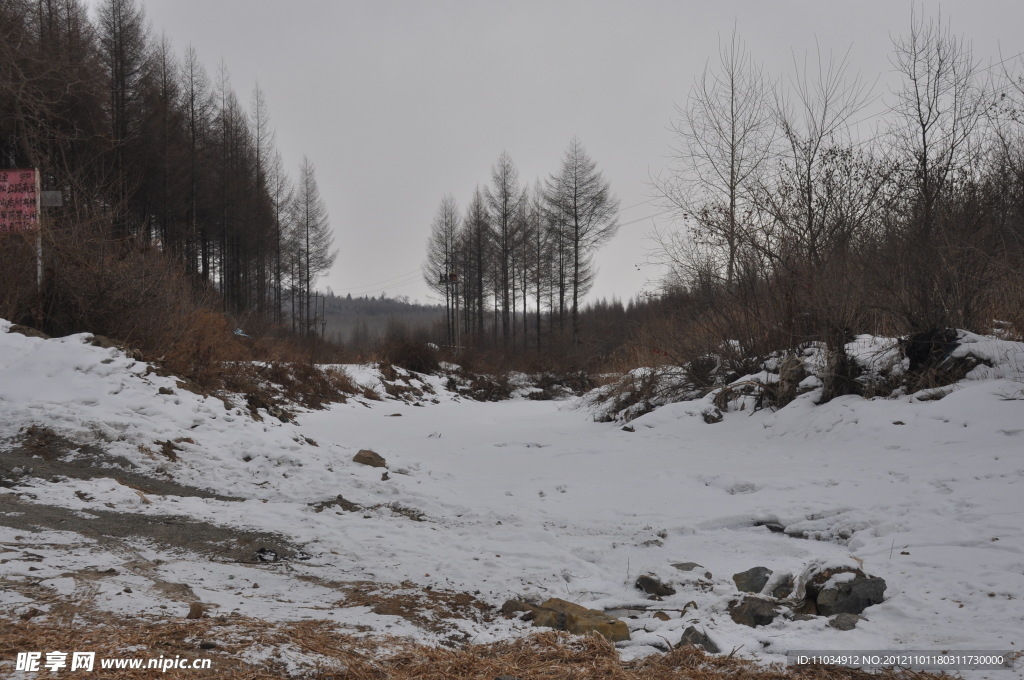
{"x": 41, "y": 454}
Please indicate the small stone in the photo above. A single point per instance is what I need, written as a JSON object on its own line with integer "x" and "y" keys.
{"x": 206, "y": 644}
{"x": 752, "y": 580}
{"x": 662, "y": 616}
{"x": 694, "y": 638}
{"x": 712, "y": 417}
{"x": 195, "y": 611}
{"x": 368, "y": 457}
{"x": 688, "y": 566}
{"x": 650, "y": 584}
{"x": 384, "y": 477}
{"x": 127, "y": 590}
{"x": 165, "y": 390}
{"x": 844, "y": 621}
{"x": 628, "y": 428}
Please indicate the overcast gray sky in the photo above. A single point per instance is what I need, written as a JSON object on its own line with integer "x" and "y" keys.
{"x": 399, "y": 102}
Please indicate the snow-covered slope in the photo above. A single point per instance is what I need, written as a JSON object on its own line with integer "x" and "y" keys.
{"x": 534, "y": 499}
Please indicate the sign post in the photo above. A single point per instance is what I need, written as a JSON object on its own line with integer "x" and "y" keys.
{"x": 19, "y": 209}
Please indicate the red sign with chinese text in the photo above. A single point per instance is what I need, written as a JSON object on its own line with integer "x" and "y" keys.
{"x": 19, "y": 201}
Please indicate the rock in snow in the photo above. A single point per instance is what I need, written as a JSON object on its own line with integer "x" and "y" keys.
{"x": 651, "y": 585}
{"x": 752, "y": 580}
{"x": 694, "y": 638}
{"x": 753, "y": 611}
{"x": 368, "y": 457}
{"x": 561, "y": 615}
{"x": 843, "y": 590}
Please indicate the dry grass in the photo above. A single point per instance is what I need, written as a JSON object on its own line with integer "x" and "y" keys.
{"x": 320, "y": 649}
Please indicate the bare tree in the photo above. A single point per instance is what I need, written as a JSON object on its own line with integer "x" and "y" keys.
{"x": 476, "y": 246}
{"x": 124, "y": 42}
{"x": 936, "y": 109}
{"x": 261, "y": 205}
{"x": 313, "y": 236}
{"x": 281, "y": 200}
{"x": 724, "y": 136}
{"x": 539, "y": 255}
{"x": 439, "y": 270}
{"x": 198, "y": 103}
{"x": 503, "y": 200}
{"x": 814, "y": 118}
{"x": 586, "y": 212}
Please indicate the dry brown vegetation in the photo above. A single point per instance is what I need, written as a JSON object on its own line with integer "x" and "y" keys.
{"x": 325, "y": 651}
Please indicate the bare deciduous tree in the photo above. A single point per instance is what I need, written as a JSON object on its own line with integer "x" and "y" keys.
{"x": 936, "y": 109}
{"x": 814, "y": 133}
{"x": 440, "y": 265}
{"x": 503, "y": 200}
{"x": 312, "y": 235}
{"x": 723, "y": 141}
{"x": 476, "y": 247}
{"x": 936, "y": 112}
{"x": 585, "y": 211}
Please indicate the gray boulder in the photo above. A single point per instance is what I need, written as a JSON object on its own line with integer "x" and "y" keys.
{"x": 694, "y": 638}
{"x": 752, "y": 580}
{"x": 752, "y": 611}
{"x": 845, "y": 595}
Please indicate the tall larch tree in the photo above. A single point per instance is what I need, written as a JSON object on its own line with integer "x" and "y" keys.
{"x": 586, "y": 213}
{"x": 314, "y": 240}
{"x": 503, "y": 199}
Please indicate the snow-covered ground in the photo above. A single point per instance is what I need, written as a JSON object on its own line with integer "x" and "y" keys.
{"x": 533, "y": 499}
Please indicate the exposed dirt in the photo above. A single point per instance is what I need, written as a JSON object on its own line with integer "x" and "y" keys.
{"x": 217, "y": 543}
{"x": 41, "y": 453}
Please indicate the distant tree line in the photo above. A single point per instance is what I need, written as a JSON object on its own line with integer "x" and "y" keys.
{"x": 361, "y": 322}
{"x": 162, "y": 168}
{"x": 514, "y": 266}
